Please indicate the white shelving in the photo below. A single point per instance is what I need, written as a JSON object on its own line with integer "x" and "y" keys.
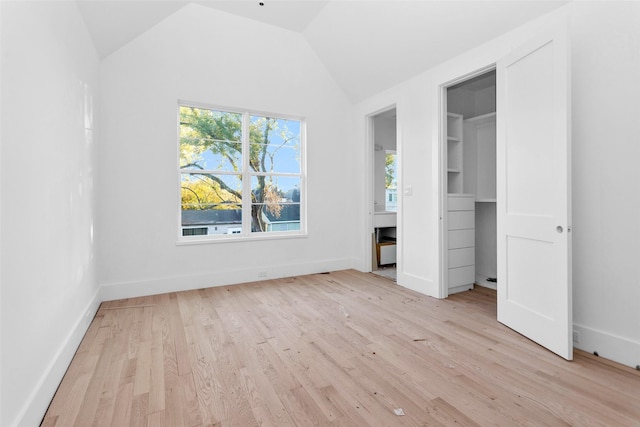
{"x": 471, "y": 186}
{"x": 460, "y": 211}
{"x": 480, "y": 179}
{"x": 455, "y": 162}
{"x": 480, "y": 157}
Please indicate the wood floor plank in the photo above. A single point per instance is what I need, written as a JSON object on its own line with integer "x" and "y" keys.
{"x": 139, "y": 410}
{"x": 339, "y": 349}
{"x": 351, "y": 413}
{"x": 156, "y": 419}
{"x": 143, "y": 369}
{"x": 92, "y": 394}
{"x": 106, "y": 404}
{"x": 178, "y": 336}
{"x": 305, "y": 376}
{"x": 191, "y": 409}
{"x": 123, "y": 405}
{"x": 451, "y": 413}
{"x": 208, "y": 384}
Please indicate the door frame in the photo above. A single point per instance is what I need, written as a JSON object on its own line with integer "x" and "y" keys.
{"x": 443, "y": 280}
{"x": 370, "y": 180}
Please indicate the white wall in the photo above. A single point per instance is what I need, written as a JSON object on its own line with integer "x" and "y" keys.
{"x": 606, "y": 207}
{"x": 49, "y": 291}
{"x": 606, "y": 201}
{"x": 203, "y": 55}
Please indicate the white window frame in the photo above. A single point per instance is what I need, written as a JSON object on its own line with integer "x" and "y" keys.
{"x": 247, "y": 174}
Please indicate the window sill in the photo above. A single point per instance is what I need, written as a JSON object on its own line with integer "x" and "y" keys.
{"x": 206, "y": 240}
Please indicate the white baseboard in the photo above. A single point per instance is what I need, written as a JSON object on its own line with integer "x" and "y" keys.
{"x": 36, "y": 406}
{"x": 618, "y": 349}
{"x": 482, "y": 281}
{"x": 418, "y": 284}
{"x": 461, "y": 288}
{"x": 113, "y": 291}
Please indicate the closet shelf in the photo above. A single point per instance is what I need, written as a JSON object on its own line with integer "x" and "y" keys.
{"x": 480, "y": 117}
{"x": 485, "y": 200}
{"x": 454, "y": 153}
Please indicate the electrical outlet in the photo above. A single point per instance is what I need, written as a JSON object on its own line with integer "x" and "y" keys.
{"x": 576, "y": 337}
{"x": 262, "y": 273}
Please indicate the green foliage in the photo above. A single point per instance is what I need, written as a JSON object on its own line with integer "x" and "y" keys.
{"x": 208, "y": 130}
{"x": 201, "y": 192}
{"x": 390, "y": 171}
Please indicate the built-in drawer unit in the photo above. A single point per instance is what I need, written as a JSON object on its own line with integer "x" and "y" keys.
{"x": 461, "y": 242}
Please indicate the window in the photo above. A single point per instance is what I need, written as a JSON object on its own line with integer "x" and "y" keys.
{"x": 241, "y": 174}
{"x": 390, "y": 181}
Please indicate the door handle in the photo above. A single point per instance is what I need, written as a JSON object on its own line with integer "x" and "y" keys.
{"x": 559, "y": 229}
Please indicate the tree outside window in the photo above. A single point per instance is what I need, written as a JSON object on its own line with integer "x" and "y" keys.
{"x": 226, "y": 155}
{"x": 390, "y": 182}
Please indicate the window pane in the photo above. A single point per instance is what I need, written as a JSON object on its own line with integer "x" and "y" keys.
{"x": 211, "y": 204}
{"x": 391, "y": 184}
{"x": 200, "y": 191}
{"x": 203, "y": 154}
{"x": 275, "y": 202}
{"x": 212, "y": 219}
{"x": 275, "y": 217}
{"x": 275, "y": 145}
{"x": 210, "y": 139}
{"x": 275, "y": 189}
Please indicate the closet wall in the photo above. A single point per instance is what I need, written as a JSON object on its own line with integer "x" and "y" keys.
{"x": 475, "y": 100}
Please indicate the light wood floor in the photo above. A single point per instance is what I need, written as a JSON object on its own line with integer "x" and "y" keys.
{"x": 343, "y": 349}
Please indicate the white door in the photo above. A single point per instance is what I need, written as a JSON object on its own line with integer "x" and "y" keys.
{"x": 533, "y": 194}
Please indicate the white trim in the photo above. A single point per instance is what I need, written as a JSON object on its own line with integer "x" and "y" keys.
{"x": 369, "y": 186}
{"x": 246, "y": 178}
{"x": 36, "y": 405}
{"x": 612, "y": 347}
{"x": 238, "y": 110}
{"x": 442, "y": 288}
{"x": 235, "y": 238}
{"x": 246, "y": 172}
{"x": 400, "y": 201}
{"x": 370, "y": 179}
{"x": 482, "y": 281}
{"x": 159, "y": 285}
{"x": 442, "y": 276}
{"x": 415, "y": 283}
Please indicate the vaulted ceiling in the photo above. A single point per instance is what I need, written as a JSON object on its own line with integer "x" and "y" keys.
{"x": 368, "y": 46}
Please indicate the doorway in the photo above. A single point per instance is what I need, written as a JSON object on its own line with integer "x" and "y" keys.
{"x": 533, "y": 191}
{"x": 469, "y": 249}
{"x": 383, "y": 139}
